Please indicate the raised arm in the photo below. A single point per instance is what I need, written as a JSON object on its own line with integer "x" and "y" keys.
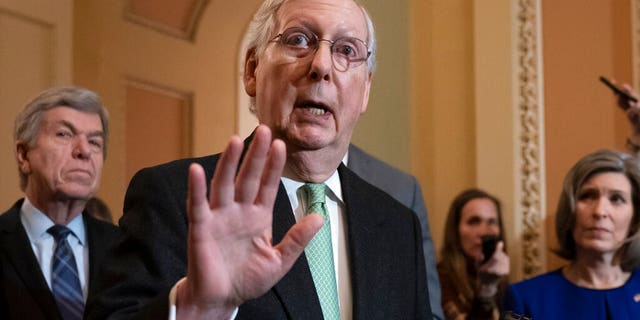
{"x": 632, "y": 109}
{"x": 231, "y": 257}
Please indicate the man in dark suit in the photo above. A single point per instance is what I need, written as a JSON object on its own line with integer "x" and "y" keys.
{"x": 406, "y": 189}
{"x": 60, "y": 139}
{"x": 238, "y": 252}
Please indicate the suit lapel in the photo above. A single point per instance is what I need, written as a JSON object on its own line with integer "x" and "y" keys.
{"x": 365, "y": 224}
{"x": 99, "y": 240}
{"x": 20, "y": 258}
{"x": 296, "y": 289}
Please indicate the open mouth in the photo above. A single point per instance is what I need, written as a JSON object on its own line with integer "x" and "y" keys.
{"x": 315, "y": 108}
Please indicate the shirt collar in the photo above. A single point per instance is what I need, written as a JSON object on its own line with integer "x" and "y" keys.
{"x": 345, "y": 159}
{"x": 37, "y": 223}
{"x": 333, "y": 184}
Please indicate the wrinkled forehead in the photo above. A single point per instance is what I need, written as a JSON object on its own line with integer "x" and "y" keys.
{"x": 67, "y": 116}
{"x": 325, "y": 17}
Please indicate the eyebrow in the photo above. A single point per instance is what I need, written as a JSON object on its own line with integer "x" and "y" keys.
{"x": 96, "y": 133}
{"x": 607, "y": 190}
{"x": 313, "y": 27}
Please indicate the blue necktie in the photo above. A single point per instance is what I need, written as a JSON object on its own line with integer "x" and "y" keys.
{"x": 319, "y": 253}
{"x": 64, "y": 279}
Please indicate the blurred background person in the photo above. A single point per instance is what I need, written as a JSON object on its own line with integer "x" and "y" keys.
{"x": 597, "y": 220}
{"x": 632, "y": 110}
{"x": 406, "y": 189}
{"x": 471, "y": 283}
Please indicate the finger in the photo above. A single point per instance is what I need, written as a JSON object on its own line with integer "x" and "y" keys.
{"x": 222, "y": 184}
{"x": 625, "y": 102}
{"x": 499, "y": 246}
{"x": 297, "y": 239}
{"x": 196, "y": 193}
{"x": 248, "y": 180}
{"x": 272, "y": 173}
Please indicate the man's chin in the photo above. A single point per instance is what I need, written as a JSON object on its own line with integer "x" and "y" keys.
{"x": 311, "y": 139}
{"x": 308, "y": 144}
{"x": 77, "y": 192}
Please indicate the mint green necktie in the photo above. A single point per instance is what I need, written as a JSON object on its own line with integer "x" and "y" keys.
{"x": 319, "y": 253}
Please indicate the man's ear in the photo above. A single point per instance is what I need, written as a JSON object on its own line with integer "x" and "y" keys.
{"x": 249, "y": 76}
{"x": 23, "y": 160}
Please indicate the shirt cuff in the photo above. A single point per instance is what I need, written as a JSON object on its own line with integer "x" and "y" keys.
{"x": 173, "y": 295}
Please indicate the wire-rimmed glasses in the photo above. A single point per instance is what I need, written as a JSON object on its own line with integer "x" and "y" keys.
{"x": 346, "y": 52}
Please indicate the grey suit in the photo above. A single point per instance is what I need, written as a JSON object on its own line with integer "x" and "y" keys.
{"x": 406, "y": 189}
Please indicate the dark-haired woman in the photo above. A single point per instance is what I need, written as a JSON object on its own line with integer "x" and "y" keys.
{"x": 472, "y": 284}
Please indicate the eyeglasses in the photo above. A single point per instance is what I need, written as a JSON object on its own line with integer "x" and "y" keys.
{"x": 346, "y": 52}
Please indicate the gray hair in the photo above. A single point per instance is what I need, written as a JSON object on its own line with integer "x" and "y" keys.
{"x": 262, "y": 29}
{"x": 29, "y": 120}
{"x": 602, "y": 161}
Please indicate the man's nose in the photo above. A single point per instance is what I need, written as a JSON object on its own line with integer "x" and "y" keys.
{"x": 82, "y": 148}
{"x": 322, "y": 63}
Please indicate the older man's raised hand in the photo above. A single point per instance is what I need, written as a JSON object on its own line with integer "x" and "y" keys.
{"x": 230, "y": 255}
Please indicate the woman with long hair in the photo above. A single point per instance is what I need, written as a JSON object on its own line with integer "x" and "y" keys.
{"x": 473, "y": 281}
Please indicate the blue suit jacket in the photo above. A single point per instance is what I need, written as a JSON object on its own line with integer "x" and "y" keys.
{"x": 552, "y": 296}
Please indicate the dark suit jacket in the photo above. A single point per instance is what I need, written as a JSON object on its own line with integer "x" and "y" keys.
{"x": 24, "y": 293}
{"x": 385, "y": 253}
{"x": 406, "y": 189}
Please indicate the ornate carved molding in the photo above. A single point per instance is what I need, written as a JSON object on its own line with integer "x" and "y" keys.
{"x": 531, "y": 126}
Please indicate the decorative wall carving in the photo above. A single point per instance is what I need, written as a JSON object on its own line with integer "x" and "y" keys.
{"x": 530, "y": 111}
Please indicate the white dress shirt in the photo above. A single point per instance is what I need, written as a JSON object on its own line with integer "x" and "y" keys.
{"x": 43, "y": 244}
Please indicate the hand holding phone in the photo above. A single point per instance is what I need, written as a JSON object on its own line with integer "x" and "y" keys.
{"x": 488, "y": 247}
{"x": 617, "y": 90}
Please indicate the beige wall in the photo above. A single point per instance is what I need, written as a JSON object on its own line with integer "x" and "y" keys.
{"x": 109, "y": 50}
{"x": 383, "y": 129}
{"x": 442, "y": 99}
{"x": 35, "y": 53}
{"x": 581, "y": 115}
{"x": 442, "y": 104}
{"x": 463, "y": 112}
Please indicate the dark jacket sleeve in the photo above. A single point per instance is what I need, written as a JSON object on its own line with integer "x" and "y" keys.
{"x": 150, "y": 256}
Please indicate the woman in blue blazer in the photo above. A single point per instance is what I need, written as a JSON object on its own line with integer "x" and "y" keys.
{"x": 597, "y": 222}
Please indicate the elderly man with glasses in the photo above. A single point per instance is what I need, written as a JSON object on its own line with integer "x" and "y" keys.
{"x": 277, "y": 227}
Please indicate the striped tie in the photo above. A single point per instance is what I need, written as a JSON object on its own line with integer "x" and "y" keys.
{"x": 64, "y": 280}
{"x": 319, "y": 253}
